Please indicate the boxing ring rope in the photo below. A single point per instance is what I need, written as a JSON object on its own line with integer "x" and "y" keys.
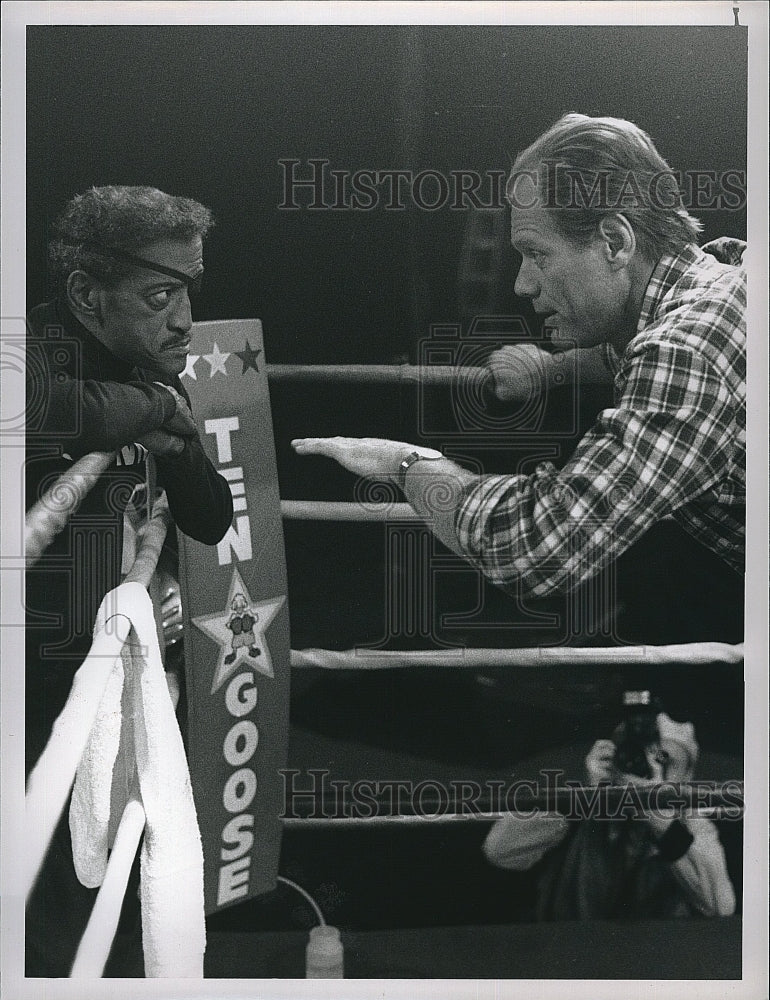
{"x": 684, "y": 654}
{"x": 599, "y": 801}
{"x": 94, "y": 948}
{"x": 50, "y": 514}
{"x": 334, "y": 510}
{"x": 418, "y": 819}
{"x": 398, "y": 375}
{"x": 52, "y": 511}
{"x": 51, "y": 779}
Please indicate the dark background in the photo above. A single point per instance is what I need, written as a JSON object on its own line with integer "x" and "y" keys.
{"x": 208, "y": 112}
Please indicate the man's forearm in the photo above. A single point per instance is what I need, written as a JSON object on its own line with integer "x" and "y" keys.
{"x": 701, "y": 870}
{"x": 199, "y": 498}
{"x": 435, "y": 489}
{"x": 105, "y": 415}
{"x": 519, "y": 842}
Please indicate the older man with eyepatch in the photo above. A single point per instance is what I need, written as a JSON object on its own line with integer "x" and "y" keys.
{"x": 104, "y": 358}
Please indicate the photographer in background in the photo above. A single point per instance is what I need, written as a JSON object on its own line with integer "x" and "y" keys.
{"x": 648, "y": 866}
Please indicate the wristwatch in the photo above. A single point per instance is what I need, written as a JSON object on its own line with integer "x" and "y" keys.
{"x": 409, "y": 461}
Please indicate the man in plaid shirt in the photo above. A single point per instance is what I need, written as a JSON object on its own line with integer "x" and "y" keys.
{"x": 610, "y": 260}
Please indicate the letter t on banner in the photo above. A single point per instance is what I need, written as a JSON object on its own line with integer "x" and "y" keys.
{"x": 236, "y": 622}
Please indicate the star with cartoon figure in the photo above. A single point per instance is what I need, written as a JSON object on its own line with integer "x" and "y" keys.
{"x": 248, "y": 357}
{"x": 239, "y": 631}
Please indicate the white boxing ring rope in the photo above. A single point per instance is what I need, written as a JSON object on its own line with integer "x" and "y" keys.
{"x": 334, "y": 510}
{"x": 603, "y": 801}
{"x": 51, "y": 779}
{"x": 684, "y": 654}
{"x": 45, "y": 799}
{"x": 52, "y": 511}
{"x": 96, "y": 942}
{"x": 47, "y": 518}
{"x": 398, "y": 375}
{"x": 401, "y": 819}
{"x": 418, "y": 819}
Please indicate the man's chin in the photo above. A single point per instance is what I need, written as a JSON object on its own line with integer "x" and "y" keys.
{"x": 171, "y": 366}
{"x": 569, "y": 337}
{"x": 563, "y": 337}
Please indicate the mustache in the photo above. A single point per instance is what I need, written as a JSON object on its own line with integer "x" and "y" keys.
{"x": 172, "y": 343}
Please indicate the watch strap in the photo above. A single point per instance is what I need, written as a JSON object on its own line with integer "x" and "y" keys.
{"x": 405, "y": 465}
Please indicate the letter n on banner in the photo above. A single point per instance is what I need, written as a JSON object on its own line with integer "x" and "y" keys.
{"x": 236, "y": 622}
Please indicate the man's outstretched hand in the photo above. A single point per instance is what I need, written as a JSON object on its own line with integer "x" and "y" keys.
{"x": 375, "y": 458}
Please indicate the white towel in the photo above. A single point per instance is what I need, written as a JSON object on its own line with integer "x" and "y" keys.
{"x": 136, "y": 738}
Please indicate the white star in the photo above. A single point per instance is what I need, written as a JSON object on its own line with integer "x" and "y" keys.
{"x": 189, "y": 370}
{"x": 215, "y": 627}
{"x": 217, "y": 360}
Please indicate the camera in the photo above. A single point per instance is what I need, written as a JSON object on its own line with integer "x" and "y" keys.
{"x": 637, "y": 737}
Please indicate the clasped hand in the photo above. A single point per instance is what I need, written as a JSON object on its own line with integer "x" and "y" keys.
{"x": 168, "y": 440}
{"x": 519, "y": 372}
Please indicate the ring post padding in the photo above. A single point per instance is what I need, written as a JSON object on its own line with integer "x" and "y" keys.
{"x": 236, "y": 622}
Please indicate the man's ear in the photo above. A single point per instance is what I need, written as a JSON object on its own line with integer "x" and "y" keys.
{"x": 83, "y": 295}
{"x": 619, "y": 240}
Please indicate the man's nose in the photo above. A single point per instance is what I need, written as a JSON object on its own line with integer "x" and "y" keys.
{"x": 180, "y": 318}
{"x": 526, "y": 285}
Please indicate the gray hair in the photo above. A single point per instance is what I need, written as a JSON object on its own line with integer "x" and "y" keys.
{"x": 586, "y": 169}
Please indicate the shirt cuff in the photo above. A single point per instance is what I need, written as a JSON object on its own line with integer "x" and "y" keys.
{"x": 611, "y": 359}
{"x": 167, "y": 400}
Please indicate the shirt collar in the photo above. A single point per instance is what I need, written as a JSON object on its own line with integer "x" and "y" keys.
{"x": 667, "y": 272}
{"x": 111, "y": 368}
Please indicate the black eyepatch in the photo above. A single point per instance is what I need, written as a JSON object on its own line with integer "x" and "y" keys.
{"x": 193, "y": 284}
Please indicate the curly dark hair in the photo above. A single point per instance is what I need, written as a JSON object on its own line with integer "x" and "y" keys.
{"x": 123, "y": 218}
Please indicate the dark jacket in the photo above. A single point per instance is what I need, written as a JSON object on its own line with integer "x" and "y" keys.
{"x": 81, "y": 398}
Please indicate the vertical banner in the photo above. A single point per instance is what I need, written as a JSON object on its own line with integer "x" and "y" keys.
{"x": 236, "y": 622}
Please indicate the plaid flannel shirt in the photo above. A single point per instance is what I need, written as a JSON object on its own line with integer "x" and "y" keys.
{"x": 674, "y": 443}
